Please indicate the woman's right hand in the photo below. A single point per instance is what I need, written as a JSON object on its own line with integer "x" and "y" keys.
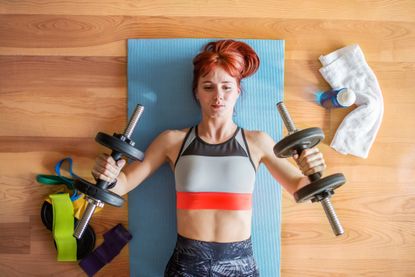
{"x": 106, "y": 168}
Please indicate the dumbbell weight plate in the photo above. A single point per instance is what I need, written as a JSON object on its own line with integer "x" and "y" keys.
{"x": 326, "y": 184}
{"x": 97, "y": 193}
{"x": 118, "y": 145}
{"x": 303, "y": 139}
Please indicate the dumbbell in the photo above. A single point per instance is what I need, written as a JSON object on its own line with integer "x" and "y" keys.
{"x": 320, "y": 189}
{"x": 98, "y": 194}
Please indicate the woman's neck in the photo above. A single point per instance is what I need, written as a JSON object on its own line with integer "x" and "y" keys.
{"x": 215, "y": 130}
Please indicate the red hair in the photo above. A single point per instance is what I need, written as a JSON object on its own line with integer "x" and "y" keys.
{"x": 237, "y": 58}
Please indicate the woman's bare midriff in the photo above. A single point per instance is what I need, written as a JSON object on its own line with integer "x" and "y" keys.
{"x": 210, "y": 225}
{"x": 214, "y": 225}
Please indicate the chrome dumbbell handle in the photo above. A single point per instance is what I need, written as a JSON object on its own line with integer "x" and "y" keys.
{"x": 139, "y": 109}
{"x": 86, "y": 217}
{"x": 286, "y": 118}
{"x": 331, "y": 215}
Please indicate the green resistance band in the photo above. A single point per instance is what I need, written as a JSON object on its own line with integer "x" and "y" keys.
{"x": 58, "y": 179}
{"x": 63, "y": 227}
{"x": 54, "y": 180}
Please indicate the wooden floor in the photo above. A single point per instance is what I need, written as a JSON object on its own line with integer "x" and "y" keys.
{"x": 63, "y": 78}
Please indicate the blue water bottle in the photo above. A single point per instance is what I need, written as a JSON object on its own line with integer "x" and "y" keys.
{"x": 336, "y": 98}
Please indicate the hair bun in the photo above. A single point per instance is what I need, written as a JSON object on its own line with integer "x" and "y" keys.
{"x": 236, "y": 51}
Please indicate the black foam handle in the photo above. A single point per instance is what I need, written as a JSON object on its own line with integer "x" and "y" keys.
{"x": 104, "y": 184}
{"x": 314, "y": 177}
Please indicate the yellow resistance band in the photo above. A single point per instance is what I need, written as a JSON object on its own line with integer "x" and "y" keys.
{"x": 79, "y": 205}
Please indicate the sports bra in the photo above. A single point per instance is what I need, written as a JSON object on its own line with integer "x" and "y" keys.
{"x": 214, "y": 176}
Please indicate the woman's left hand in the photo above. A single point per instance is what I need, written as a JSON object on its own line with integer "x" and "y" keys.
{"x": 310, "y": 161}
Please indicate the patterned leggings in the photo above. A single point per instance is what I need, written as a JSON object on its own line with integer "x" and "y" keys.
{"x": 194, "y": 258}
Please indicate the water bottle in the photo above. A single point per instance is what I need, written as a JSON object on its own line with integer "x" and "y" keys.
{"x": 336, "y": 98}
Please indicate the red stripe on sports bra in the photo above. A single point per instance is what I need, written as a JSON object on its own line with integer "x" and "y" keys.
{"x": 214, "y": 201}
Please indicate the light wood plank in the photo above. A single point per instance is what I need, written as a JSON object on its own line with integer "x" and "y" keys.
{"x": 314, "y": 267}
{"x": 104, "y": 35}
{"x": 337, "y": 9}
{"x": 15, "y": 238}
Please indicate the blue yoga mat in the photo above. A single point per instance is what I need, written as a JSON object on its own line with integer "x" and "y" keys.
{"x": 160, "y": 78}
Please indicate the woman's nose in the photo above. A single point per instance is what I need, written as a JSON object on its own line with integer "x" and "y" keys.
{"x": 218, "y": 94}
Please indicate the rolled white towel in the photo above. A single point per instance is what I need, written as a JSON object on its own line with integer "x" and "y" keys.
{"x": 347, "y": 67}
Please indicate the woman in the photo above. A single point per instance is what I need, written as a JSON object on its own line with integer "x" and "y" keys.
{"x": 214, "y": 164}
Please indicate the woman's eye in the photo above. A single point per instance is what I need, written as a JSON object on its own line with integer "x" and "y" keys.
{"x": 227, "y": 88}
{"x": 207, "y": 88}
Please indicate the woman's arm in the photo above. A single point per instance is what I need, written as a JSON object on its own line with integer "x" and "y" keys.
{"x": 136, "y": 172}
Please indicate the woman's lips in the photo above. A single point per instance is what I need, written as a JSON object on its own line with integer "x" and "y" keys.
{"x": 215, "y": 106}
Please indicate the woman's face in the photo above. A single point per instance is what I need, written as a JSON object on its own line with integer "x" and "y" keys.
{"x": 217, "y": 93}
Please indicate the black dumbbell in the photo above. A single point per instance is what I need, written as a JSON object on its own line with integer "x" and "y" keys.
{"x": 97, "y": 195}
{"x": 320, "y": 189}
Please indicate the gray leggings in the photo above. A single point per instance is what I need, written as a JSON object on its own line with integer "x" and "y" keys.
{"x": 193, "y": 258}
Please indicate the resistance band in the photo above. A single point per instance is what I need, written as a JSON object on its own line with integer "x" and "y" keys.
{"x": 63, "y": 226}
{"x": 114, "y": 240}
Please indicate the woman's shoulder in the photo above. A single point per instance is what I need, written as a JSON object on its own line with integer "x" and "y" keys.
{"x": 260, "y": 140}
{"x": 176, "y": 132}
{"x": 260, "y": 144}
{"x": 173, "y": 135}
{"x": 256, "y": 134}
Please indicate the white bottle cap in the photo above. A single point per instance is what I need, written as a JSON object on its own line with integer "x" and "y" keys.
{"x": 346, "y": 97}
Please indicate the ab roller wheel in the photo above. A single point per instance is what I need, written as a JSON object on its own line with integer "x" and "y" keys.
{"x": 96, "y": 195}
{"x": 320, "y": 189}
